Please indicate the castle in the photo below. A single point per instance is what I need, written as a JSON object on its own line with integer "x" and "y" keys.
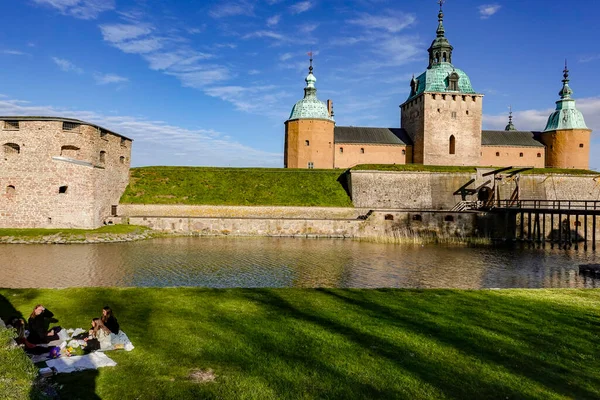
{"x": 440, "y": 124}
{"x": 60, "y": 172}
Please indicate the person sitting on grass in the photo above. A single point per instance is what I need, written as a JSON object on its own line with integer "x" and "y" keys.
{"x": 100, "y": 337}
{"x": 19, "y": 325}
{"x": 109, "y": 320}
{"x": 39, "y": 321}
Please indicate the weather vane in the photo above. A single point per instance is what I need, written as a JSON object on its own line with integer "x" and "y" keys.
{"x": 441, "y": 3}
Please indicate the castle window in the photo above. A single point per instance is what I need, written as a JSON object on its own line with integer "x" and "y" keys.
{"x": 341, "y": 150}
{"x": 453, "y": 81}
{"x": 11, "y": 125}
{"x": 474, "y": 98}
{"x": 439, "y": 110}
{"x": 311, "y": 165}
{"x": 452, "y": 144}
{"x": 362, "y": 150}
{"x": 497, "y": 154}
{"x": 464, "y": 98}
{"x": 11, "y": 149}
{"x": 403, "y": 152}
{"x": 443, "y": 97}
{"x": 467, "y": 112}
{"x": 70, "y": 126}
{"x": 581, "y": 145}
{"x": 307, "y": 142}
{"x": 453, "y": 97}
{"x": 389, "y": 217}
{"x": 539, "y": 155}
{"x": 62, "y": 189}
{"x": 69, "y": 151}
{"x": 444, "y": 58}
{"x": 417, "y": 217}
{"x": 433, "y": 96}
{"x": 329, "y": 144}
{"x": 10, "y": 190}
{"x": 449, "y": 218}
{"x": 520, "y": 154}
{"x": 122, "y": 160}
{"x": 123, "y": 142}
{"x": 454, "y": 114}
{"x": 102, "y": 158}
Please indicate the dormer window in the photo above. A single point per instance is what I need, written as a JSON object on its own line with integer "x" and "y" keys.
{"x": 453, "y": 81}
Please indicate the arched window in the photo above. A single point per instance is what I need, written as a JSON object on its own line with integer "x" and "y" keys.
{"x": 452, "y": 144}
{"x": 453, "y": 81}
{"x": 69, "y": 151}
{"x": 581, "y": 145}
{"x": 341, "y": 150}
{"x": 539, "y": 155}
{"x": 10, "y": 190}
{"x": 520, "y": 154}
{"x": 389, "y": 217}
{"x": 497, "y": 154}
{"x": 122, "y": 160}
{"x": 307, "y": 142}
{"x": 102, "y": 157}
{"x": 11, "y": 149}
{"x": 362, "y": 150}
{"x": 403, "y": 152}
{"x": 417, "y": 217}
{"x": 444, "y": 59}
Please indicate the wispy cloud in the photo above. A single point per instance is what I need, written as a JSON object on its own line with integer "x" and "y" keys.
{"x": 158, "y": 142}
{"x": 253, "y": 72}
{"x": 390, "y": 21}
{"x": 301, "y": 7}
{"x": 105, "y": 79}
{"x": 285, "y": 56}
{"x": 117, "y": 33}
{"x": 307, "y": 28}
{"x": 82, "y": 9}
{"x": 586, "y": 59}
{"x": 231, "y": 9}
{"x": 67, "y": 65}
{"x": 265, "y": 34}
{"x": 487, "y": 10}
{"x": 15, "y": 53}
{"x": 274, "y": 20}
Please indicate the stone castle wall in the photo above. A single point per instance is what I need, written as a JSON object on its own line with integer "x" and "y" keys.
{"x": 435, "y": 191}
{"x": 50, "y": 177}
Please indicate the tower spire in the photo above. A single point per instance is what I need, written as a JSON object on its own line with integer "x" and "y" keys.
{"x": 310, "y": 90}
{"x": 440, "y": 30}
{"x": 440, "y": 50}
{"x": 566, "y": 91}
{"x": 510, "y": 126}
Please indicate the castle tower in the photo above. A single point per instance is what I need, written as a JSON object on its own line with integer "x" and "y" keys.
{"x": 566, "y": 136}
{"x": 510, "y": 126}
{"x": 442, "y": 114}
{"x": 309, "y": 130}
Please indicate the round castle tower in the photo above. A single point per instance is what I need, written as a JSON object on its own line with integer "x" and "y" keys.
{"x": 566, "y": 136}
{"x": 309, "y": 130}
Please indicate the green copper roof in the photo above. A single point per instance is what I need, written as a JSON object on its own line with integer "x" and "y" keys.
{"x": 510, "y": 126}
{"x": 437, "y": 79}
{"x": 566, "y": 116}
{"x": 310, "y": 107}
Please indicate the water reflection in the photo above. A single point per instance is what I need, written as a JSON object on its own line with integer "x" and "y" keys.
{"x": 287, "y": 262}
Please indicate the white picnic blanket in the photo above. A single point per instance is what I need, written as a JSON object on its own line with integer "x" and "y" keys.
{"x": 79, "y": 363}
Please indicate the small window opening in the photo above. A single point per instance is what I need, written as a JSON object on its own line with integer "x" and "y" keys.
{"x": 329, "y": 144}
{"x": 443, "y": 97}
{"x": 433, "y": 96}
{"x": 310, "y": 165}
{"x": 389, "y": 217}
{"x": 439, "y": 110}
{"x": 444, "y": 58}
{"x": 452, "y": 144}
{"x": 417, "y": 217}
{"x": 341, "y": 150}
{"x": 11, "y": 149}
{"x": 403, "y": 152}
{"x": 497, "y": 154}
{"x": 11, "y": 125}
{"x": 49, "y": 220}
{"x": 467, "y": 112}
{"x": 581, "y": 145}
{"x": 474, "y": 98}
{"x": 454, "y": 114}
{"x": 10, "y": 190}
{"x": 122, "y": 160}
{"x": 454, "y": 97}
{"x": 62, "y": 189}
{"x": 69, "y": 151}
{"x": 70, "y": 126}
{"x": 103, "y": 133}
{"x": 123, "y": 142}
{"x": 102, "y": 157}
{"x": 449, "y": 218}
{"x": 113, "y": 210}
{"x": 464, "y": 98}
{"x": 539, "y": 155}
{"x": 362, "y": 150}
{"x": 520, "y": 154}
{"x": 307, "y": 142}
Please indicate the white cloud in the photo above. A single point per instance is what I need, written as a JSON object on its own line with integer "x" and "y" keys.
{"x": 67, "y": 65}
{"x": 82, "y": 9}
{"x": 285, "y": 56}
{"x": 301, "y": 7}
{"x": 274, "y": 20}
{"x": 14, "y": 53}
{"x": 265, "y": 100}
{"x": 391, "y": 21}
{"x": 104, "y": 79}
{"x": 232, "y": 9}
{"x": 487, "y": 10}
{"x": 307, "y": 28}
{"x": 265, "y": 34}
{"x": 253, "y": 72}
{"x": 158, "y": 142}
{"x": 117, "y": 33}
{"x": 585, "y": 59}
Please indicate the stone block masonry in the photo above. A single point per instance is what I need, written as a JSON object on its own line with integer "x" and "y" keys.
{"x": 59, "y": 173}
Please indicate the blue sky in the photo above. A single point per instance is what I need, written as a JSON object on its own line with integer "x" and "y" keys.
{"x": 212, "y": 82}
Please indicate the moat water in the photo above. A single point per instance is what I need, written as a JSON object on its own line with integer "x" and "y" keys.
{"x": 289, "y": 262}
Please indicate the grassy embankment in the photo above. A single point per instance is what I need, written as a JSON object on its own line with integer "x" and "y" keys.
{"x": 109, "y": 232}
{"x": 330, "y": 343}
{"x": 236, "y": 187}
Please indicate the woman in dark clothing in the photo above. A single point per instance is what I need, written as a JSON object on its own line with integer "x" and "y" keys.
{"x": 19, "y": 325}
{"x": 109, "y": 320}
{"x": 39, "y": 320}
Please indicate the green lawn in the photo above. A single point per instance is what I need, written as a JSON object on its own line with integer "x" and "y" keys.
{"x": 108, "y": 229}
{"x": 335, "y": 344}
{"x": 236, "y": 186}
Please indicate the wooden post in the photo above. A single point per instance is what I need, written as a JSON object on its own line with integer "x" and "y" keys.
{"x": 544, "y": 230}
{"x": 594, "y": 232}
{"x": 560, "y": 229}
{"x": 585, "y": 229}
{"x": 577, "y": 232}
{"x": 552, "y": 229}
{"x": 522, "y": 225}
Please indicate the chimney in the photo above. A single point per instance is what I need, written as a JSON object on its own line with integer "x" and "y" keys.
{"x": 330, "y": 107}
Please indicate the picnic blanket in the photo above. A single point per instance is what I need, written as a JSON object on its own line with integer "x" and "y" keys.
{"x": 79, "y": 363}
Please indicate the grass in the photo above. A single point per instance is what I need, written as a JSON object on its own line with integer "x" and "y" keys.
{"x": 336, "y": 344}
{"x": 105, "y": 230}
{"x": 17, "y": 373}
{"x": 236, "y": 186}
